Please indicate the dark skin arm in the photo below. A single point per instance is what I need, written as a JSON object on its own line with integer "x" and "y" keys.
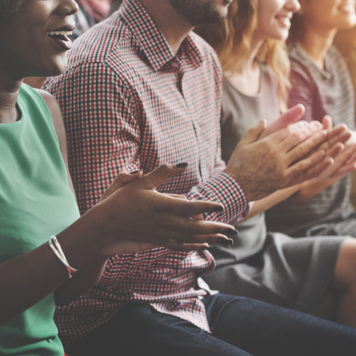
{"x": 90, "y": 274}
{"x": 110, "y": 227}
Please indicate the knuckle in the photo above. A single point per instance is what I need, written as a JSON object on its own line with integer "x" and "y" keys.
{"x": 304, "y": 166}
{"x": 298, "y": 135}
{"x": 299, "y": 150}
{"x": 164, "y": 166}
{"x": 284, "y": 176}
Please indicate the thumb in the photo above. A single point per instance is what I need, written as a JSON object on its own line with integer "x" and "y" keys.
{"x": 289, "y": 117}
{"x": 121, "y": 180}
{"x": 253, "y": 134}
{"x": 125, "y": 178}
{"x": 161, "y": 174}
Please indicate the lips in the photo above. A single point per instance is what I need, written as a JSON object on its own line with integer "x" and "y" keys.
{"x": 61, "y": 38}
{"x": 347, "y": 7}
{"x": 285, "y": 20}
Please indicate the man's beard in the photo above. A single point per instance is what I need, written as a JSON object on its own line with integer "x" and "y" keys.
{"x": 200, "y": 12}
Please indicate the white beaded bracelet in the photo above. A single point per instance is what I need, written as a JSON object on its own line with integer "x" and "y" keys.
{"x": 57, "y": 250}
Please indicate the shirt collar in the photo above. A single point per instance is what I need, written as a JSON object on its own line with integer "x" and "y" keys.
{"x": 151, "y": 39}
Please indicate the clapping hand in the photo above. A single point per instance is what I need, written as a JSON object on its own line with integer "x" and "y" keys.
{"x": 140, "y": 218}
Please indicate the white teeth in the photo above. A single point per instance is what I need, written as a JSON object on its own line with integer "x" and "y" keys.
{"x": 59, "y": 33}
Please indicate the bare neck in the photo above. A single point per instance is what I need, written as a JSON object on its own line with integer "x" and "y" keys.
{"x": 252, "y": 54}
{"x": 9, "y": 90}
{"x": 172, "y": 24}
{"x": 316, "y": 42}
{"x": 247, "y": 78}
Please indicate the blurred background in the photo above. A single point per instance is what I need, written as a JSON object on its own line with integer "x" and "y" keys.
{"x": 345, "y": 41}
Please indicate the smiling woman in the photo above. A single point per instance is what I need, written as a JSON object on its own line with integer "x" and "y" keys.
{"x": 36, "y": 53}
{"x": 320, "y": 81}
{"x": 256, "y": 67}
{"x": 61, "y": 36}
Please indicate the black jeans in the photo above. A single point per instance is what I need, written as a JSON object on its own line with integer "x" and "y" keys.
{"x": 240, "y": 327}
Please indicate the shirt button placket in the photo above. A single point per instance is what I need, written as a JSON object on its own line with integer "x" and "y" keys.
{"x": 197, "y": 130}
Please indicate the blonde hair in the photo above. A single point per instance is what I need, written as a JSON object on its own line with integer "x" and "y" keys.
{"x": 232, "y": 42}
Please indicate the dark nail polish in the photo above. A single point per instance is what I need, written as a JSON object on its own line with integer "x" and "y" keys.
{"x": 204, "y": 247}
{"x": 182, "y": 165}
{"x": 231, "y": 233}
{"x": 134, "y": 172}
{"x": 219, "y": 209}
{"x": 228, "y": 242}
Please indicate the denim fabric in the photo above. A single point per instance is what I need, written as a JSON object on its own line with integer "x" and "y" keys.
{"x": 240, "y": 327}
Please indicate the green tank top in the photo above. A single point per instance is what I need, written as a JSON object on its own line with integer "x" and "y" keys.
{"x": 35, "y": 203}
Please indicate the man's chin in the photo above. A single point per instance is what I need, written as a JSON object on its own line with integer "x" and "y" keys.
{"x": 202, "y": 12}
{"x": 217, "y": 16}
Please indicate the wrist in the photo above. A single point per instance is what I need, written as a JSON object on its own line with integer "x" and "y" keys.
{"x": 231, "y": 174}
{"x": 101, "y": 228}
{"x": 84, "y": 240}
{"x": 242, "y": 181}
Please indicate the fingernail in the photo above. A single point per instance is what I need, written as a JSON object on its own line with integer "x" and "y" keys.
{"x": 225, "y": 242}
{"x": 182, "y": 165}
{"x": 231, "y": 233}
{"x": 205, "y": 247}
{"x": 218, "y": 209}
{"x": 134, "y": 172}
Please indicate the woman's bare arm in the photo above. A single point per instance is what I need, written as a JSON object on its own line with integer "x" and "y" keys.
{"x": 110, "y": 227}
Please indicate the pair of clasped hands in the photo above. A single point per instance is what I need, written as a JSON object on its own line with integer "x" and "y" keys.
{"x": 288, "y": 152}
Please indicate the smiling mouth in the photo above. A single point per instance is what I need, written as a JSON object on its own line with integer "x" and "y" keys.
{"x": 61, "y": 38}
{"x": 347, "y": 7}
{"x": 284, "y": 20}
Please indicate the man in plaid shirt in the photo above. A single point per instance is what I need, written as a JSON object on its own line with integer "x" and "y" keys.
{"x": 142, "y": 90}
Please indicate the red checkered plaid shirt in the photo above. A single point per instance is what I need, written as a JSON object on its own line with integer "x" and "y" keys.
{"x": 130, "y": 104}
